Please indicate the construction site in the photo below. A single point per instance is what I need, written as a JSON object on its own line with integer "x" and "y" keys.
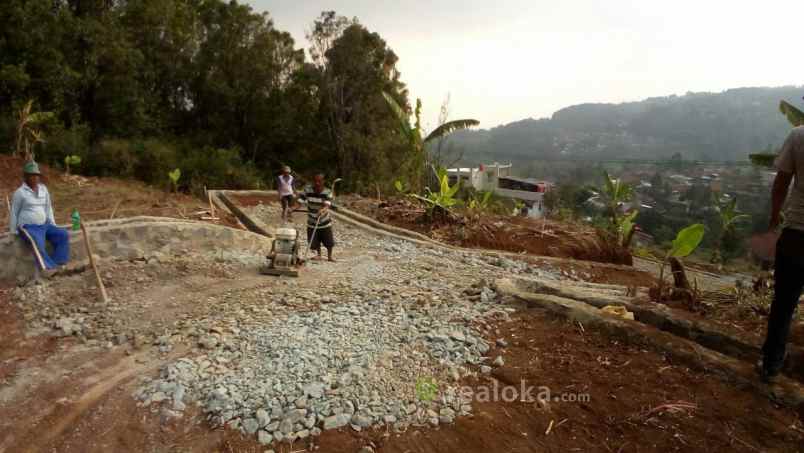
{"x": 455, "y": 338}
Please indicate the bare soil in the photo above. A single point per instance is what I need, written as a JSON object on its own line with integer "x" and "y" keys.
{"x": 633, "y": 399}
{"x": 103, "y": 198}
{"x": 495, "y": 232}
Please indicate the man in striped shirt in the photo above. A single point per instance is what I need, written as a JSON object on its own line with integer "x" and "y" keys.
{"x": 319, "y": 222}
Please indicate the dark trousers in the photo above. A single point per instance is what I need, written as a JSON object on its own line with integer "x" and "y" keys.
{"x": 789, "y": 282}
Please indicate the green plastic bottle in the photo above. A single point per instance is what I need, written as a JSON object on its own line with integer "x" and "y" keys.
{"x": 76, "y": 220}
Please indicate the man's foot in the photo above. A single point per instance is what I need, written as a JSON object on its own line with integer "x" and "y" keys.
{"x": 766, "y": 375}
{"x": 332, "y": 260}
{"x": 318, "y": 258}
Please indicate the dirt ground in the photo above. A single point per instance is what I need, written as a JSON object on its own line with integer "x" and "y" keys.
{"x": 61, "y": 394}
{"x": 506, "y": 233}
{"x": 626, "y": 398}
{"x": 103, "y": 198}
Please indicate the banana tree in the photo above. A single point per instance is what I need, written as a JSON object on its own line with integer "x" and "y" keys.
{"x": 795, "y": 117}
{"x": 686, "y": 241}
{"x": 28, "y": 134}
{"x": 616, "y": 192}
{"x": 442, "y": 201}
{"x": 728, "y": 216}
{"x": 413, "y": 134}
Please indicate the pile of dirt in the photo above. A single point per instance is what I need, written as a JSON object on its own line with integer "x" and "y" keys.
{"x": 103, "y": 198}
{"x": 505, "y": 233}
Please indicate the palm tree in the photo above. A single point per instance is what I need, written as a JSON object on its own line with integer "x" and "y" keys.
{"x": 796, "y": 118}
{"x": 413, "y": 134}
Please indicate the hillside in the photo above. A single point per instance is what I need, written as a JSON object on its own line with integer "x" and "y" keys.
{"x": 723, "y": 126}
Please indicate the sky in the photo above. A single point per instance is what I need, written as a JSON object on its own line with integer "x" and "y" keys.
{"x": 506, "y": 60}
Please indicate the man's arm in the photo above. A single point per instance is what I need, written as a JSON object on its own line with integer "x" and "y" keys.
{"x": 786, "y": 168}
{"x": 781, "y": 186}
{"x": 51, "y": 219}
{"x": 16, "y": 206}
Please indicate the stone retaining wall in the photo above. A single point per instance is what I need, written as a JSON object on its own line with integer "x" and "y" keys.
{"x": 133, "y": 238}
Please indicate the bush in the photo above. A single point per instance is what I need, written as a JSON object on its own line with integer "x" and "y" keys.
{"x": 217, "y": 168}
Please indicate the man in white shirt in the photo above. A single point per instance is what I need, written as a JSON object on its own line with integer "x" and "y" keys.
{"x": 32, "y": 218}
{"x": 789, "y": 273}
{"x": 285, "y": 188}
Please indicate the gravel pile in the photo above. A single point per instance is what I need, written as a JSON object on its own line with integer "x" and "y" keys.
{"x": 355, "y": 364}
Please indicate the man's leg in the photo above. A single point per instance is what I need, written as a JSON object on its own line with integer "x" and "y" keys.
{"x": 329, "y": 243}
{"x": 59, "y": 238}
{"x": 314, "y": 239}
{"x": 787, "y": 291}
{"x": 35, "y": 236}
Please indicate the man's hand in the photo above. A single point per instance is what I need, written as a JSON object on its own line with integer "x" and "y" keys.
{"x": 775, "y": 221}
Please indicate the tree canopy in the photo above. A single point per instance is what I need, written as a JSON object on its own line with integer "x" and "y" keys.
{"x": 139, "y": 87}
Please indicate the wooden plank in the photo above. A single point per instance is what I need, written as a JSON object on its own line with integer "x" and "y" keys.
{"x": 88, "y": 247}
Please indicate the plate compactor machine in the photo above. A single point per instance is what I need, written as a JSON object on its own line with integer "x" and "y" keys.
{"x": 284, "y": 258}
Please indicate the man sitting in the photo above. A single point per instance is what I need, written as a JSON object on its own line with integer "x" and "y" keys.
{"x": 32, "y": 216}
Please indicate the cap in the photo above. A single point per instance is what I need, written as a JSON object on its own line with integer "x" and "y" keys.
{"x": 31, "y": 168}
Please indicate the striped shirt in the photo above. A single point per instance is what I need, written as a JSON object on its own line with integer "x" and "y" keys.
{"x": 316, "y": 201}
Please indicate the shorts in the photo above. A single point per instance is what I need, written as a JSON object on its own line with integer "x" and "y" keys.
{"x": 322, "y": 236}
{"x": 287, "y": 202}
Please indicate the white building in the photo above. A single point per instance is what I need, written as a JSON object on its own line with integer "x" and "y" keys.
{"x": 498, "y": 179}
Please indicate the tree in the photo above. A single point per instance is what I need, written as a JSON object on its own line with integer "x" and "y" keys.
{"x": 29, "y": 131}
{"x": 729, "y": 217}
{"x": 413, "y": 135}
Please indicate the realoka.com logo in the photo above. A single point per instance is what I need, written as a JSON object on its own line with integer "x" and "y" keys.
{"x": 427, "y": 390}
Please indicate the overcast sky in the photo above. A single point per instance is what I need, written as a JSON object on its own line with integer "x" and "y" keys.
{"x": 506, "y": 60}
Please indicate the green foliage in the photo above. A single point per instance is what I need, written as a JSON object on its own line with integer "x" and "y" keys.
{"x": 71, "y": 161}
{"x": 729, "y": 218}
{"x": 480, "y": 201}
{"x": 138, "y": 88}
{"x": 413, "y": 134}
{"x": 400, "y": 187}
{"x": 687, "y": 241}
{"x": 616, "y": 192}
{"x": 174, "y": 176}
{"x": 444, "y": 199}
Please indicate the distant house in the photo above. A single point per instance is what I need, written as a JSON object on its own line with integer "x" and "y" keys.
{"x": 498, "y": 179}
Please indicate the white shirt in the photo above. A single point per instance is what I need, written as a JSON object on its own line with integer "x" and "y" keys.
{"x": 30, "y": 208}
{"x": 791, "y": 160}
{"x": 285, "y": 185}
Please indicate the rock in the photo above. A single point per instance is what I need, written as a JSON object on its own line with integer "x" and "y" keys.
{"x": 286, "y": 426}
{"x": 485, "y": 369}
{"x": 366, "y": 450}
{"x": 264, "y": 438}
{"x": 336, "y": 421}
{"x": 502, "y": 343}
{"x": 263, "y": 419}
{"x": 208, "y": 342}
{"x": 303, "y": 434}
{"x": 251, "y": 425}
{"x": 499, "y": 361}
{"x": 362, "y": 421}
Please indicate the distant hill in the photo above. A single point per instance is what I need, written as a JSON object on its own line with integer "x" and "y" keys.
{"x": 723, "y": 126}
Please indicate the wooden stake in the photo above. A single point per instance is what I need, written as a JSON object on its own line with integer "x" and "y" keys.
{"x": 211, "y": 206}
{"x": 114, "y": 211}
{"x": 88, "y": 246}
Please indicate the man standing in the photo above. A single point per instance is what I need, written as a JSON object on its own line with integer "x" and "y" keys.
{"x": 789, "y": 273}
{"x": 319, "y": 222}
{"x": 285, "y": 189}
{"x": 32, "y": 216}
